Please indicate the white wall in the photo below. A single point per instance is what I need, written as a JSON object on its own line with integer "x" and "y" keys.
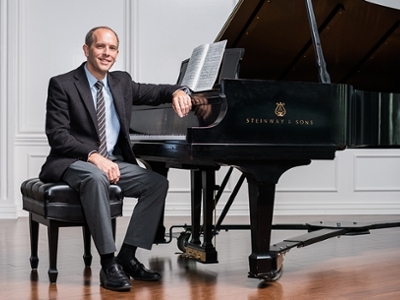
{"x": 43, "y": 38}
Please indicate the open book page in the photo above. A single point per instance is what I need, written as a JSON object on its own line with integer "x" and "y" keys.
{"x": 210, "y": 68}
{"x": 203, "y": 67}
{"x": 194, "y": 66}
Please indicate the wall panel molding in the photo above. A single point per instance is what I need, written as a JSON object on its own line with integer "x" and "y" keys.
{"x": 36, "y": 139}
{"x": 377, "y": 172}
{"x": 3, "y": 101}
{"x": 8, "y": 95}
{"x": 132, "y": 62}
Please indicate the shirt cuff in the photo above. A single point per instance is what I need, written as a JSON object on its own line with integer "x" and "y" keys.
{"x": 185, "y": 89}
{"x": 90, "y": 153}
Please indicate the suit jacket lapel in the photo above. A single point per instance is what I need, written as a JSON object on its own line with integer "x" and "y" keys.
{"x": 82, "y": 85}
{"x": 118, "y": 97}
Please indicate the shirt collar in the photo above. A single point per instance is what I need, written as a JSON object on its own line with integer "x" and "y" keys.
{"x": 92, "y": 80}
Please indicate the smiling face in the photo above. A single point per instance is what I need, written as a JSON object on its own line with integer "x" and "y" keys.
{"x": 102, "y": 52}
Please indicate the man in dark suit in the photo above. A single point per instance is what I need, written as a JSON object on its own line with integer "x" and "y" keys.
{"x": 89, "y": 161}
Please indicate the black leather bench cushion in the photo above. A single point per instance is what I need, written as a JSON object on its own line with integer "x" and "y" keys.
{"x": 57, "y": 201}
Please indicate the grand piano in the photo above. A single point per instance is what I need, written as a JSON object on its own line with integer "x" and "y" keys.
{"x": 315, "y": 78}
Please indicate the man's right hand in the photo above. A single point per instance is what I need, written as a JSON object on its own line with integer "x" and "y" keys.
{"x": 106, "y": 165}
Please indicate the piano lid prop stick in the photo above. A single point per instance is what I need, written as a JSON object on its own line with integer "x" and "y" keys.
{"x": 323, "y": 73}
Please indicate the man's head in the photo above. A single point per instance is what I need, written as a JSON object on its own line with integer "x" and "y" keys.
{"x": 101, "y": 50}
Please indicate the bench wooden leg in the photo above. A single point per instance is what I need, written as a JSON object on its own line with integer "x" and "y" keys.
{"x": 114, "y": 226}
{"x": 87, "y": 255}
{"x": 52, "y": 233}
{"x": 34, "y": 236}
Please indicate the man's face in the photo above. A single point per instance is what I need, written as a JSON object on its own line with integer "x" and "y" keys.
{"x": 102, "y": 53}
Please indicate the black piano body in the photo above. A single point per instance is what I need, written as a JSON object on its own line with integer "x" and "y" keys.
{"x": 279, "y": 115}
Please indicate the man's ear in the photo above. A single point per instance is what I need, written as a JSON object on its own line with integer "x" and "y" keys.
{"x": 85, "y": 50}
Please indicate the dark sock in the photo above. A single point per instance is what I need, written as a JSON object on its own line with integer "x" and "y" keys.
{"x": 107, "y": 260}
{"x": 127, "y": 252}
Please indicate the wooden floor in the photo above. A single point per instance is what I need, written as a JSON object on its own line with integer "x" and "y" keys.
{"x": 349, "y": 267}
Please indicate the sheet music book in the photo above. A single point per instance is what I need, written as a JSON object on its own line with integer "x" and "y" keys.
{"x": 203, "y": 66}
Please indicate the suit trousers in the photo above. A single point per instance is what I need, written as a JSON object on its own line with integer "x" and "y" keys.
{"x": 147, "y": 186}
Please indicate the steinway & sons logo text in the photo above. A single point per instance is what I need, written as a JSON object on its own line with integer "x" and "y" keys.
{"x": 280, "y": 112}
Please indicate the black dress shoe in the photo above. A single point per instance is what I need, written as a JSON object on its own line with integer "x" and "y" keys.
{"x": 138, "y": 271}
{"x": 114, "y": 278}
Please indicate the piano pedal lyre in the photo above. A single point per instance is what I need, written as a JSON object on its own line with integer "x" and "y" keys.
{"x": 193, "y": 251}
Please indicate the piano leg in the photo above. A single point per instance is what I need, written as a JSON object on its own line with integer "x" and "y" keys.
{"x": 203, "y": 187}
{"x": 262, "y": 178}
{"x": 208, "y": 179}
{"x": 261, "y": 197}
{"x": 196, "y": 188}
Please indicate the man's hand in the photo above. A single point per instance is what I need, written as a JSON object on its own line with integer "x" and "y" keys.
{"x": 106, "y": 165}
{"x": 181, "y": 103}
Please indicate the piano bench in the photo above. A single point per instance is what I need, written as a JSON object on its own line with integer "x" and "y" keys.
{"x": 57, "y": 205}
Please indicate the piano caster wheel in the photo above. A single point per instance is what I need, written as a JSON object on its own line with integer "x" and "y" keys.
{"x": 275, "y": 276}
{"x": 183, "y": 240}
{"x": 269, "y": 276}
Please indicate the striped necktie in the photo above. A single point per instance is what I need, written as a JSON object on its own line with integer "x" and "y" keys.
{"x": 101, "y": 118}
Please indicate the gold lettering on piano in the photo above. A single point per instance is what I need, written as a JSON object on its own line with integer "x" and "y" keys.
{"x": 304, "y": 122}
{"x": 264, "y": 121}
{"x": 280, "y": 112}
{"x": 300, "y": 122}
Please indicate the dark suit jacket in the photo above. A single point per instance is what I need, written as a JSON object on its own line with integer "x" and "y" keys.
{"x": 71, "y": 125}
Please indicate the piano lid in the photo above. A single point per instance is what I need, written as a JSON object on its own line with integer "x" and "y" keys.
{"x": 360, "y": 41}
